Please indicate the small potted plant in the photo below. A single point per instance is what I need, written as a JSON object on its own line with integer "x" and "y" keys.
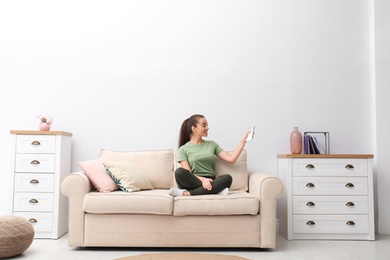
{"x": 45, "y": 122}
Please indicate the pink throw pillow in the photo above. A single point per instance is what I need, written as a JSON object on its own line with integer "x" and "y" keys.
{"x": 96, "y": 173}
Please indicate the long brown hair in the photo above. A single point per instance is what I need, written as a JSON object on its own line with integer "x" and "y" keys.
{"x": 186, "y": 128}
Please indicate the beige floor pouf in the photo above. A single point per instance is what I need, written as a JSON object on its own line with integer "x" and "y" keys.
{"x": 16, "y": 235}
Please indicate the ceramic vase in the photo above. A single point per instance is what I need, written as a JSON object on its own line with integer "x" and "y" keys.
{"x": 44, "y": 126}
{"x": 296, "y": 141}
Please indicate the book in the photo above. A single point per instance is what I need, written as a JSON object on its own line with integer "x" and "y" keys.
{"x": 317, "y": 145}
{"x": 306, "y": 144}
{"x": 311, "y": 145}
{"x": 313, "y": 149}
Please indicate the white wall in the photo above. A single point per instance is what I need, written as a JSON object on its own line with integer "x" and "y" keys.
{"x": 124, "y": 74}
{"x": 382, "y": 32}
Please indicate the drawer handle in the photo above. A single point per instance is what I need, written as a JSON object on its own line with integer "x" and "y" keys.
{"x": 349, "y": 166}
{"x": 35, "y": 162}
{"x": 310, "y": 223}
{"x": 33, "y": 201}
{"x": 349, "y": 185}
{"x": 310, "y": 204}
{"x": 350, "y": 223}
{"x": 310, "y": 166}
{"x": 35, "y": 143}
{"x": 350, "y": 204}
{"x": 33, "y": 220}
{"x": 310, "y": 185}
{"x": 34, "y": 181}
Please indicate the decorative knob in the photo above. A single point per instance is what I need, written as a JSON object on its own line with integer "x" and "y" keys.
{"x": 310, "y": 185}
{"x": 33, "y": 201}
{"x": 34, "y": 181}
{"x": 350, "y": 223}
{"x": 349, "y": 185}
{"x": 310, "y": 223}
{"x": 35, "y": 162}
{"x": 310, "y": 166}
{"x": 349, "y": 166}
{"x": 310, "y": 204}
{"x": 350, "y": 204}
{"x": 33, "y": 220}
{"x": 35, "y": 143}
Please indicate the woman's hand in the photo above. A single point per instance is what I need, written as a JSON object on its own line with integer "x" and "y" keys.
{"x": 245, "y": 137}
{"x": 206, "y": 183}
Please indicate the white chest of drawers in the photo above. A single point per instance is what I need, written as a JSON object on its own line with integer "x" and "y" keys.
{"x": 326, "y": 197}
{"x": 40, "y": 161}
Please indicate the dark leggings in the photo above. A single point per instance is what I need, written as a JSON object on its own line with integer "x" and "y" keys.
{"x": 187, "y": 180}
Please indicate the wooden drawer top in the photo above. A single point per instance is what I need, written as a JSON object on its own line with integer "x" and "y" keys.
{"x": 325, "y": 156}
{"x": 35, "y": 132}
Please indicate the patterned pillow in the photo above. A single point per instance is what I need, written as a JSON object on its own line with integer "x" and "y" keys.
{"x": 127, "y": 176}
{"x": 98, "y": 176}
{"x": 156, "y": 165}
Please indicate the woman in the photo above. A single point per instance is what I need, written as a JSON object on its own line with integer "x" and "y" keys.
{"x": 196, "y": 176}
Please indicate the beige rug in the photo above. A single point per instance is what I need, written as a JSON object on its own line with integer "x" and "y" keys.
{"x": 182, "y": 256}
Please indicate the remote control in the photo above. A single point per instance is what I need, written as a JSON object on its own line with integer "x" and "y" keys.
{"x": 252, "y": 131}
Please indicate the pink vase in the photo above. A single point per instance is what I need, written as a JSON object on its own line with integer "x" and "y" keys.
{"x": 296, "y": 141}
{"x": 44, "y": 127}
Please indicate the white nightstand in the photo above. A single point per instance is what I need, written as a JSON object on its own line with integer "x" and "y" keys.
{"x": 326, "y": 196}
{"x": 40, "y": 161}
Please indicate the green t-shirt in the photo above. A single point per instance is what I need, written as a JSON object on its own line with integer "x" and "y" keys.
{"x": 201, "y": 157}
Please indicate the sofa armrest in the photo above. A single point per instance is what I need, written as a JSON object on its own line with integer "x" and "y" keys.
{"x": 268, "y": 189}
{"x": 75, "y": 186}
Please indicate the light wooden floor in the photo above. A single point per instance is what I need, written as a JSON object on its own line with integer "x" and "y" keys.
{"x": 298, "y": 249}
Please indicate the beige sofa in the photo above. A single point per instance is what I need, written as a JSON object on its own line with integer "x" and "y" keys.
{"x": 152, "y": 218}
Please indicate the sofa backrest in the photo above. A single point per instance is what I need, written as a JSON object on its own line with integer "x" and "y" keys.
{"x": 157, "y": 165}
{"x": 238, "y": 171}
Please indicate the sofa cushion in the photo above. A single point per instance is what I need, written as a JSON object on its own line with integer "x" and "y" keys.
{"x": 236, "y": 203}
{"x": 156, "y": 165}
{"x": 96, "y": 173}
{"x": 238, "y": 171}
{"x": 128, "y": 176}
{"x": 157, "y": 202}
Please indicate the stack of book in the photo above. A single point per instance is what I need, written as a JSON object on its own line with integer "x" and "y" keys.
{"x": 311, "y": 145}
